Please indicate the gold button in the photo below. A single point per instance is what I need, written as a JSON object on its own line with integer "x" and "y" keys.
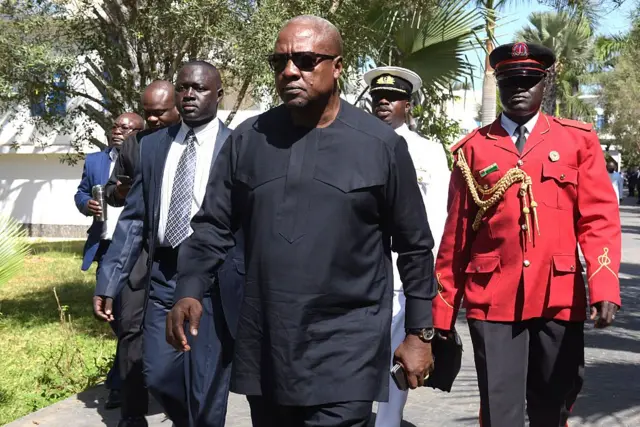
{"x": 572, "y": 268}
{"x": 561, "y": 177}
{"x": 524, "y": 227}
{"x": 526, "y": 263}
{"x": 486, "y": 186}
{"x": 520, "y": 163}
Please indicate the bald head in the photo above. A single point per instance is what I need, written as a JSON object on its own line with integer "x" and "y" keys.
{"x": 158, "y": 88}
{"x": 324, "y": 31}
{"x": 307, "y": 61}
{"x": 159, "y": 105}
{"x": 125, "y": 125}
{"x": 132, "y": 118}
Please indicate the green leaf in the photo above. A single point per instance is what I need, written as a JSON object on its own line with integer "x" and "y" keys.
{"x": 13, "y": 247}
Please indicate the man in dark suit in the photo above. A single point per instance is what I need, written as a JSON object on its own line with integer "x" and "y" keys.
{"x": 159, "y": 106}
{"x": 158, "y": 102}
{"x": 167, "y": 191}
{"x": 97, "y": 168}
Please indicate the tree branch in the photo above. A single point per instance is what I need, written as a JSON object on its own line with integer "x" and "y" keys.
{"x": 95, "y": 141}
{"x": 97, "y": 116}
{"x": 238, "y": 103}
{"x": 74, "y": 92}
{"x": 177, "y": 60}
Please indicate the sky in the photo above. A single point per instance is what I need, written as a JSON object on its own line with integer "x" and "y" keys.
{"x": 515, "y": 17}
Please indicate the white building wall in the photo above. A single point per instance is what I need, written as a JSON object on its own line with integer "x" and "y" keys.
{"x": 38, "y": 190}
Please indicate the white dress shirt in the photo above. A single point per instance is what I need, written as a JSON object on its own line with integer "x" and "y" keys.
{"x": 206, "y": 151}
{"x": 433, "y": 174}
{"x": 510, "y": 126}
{"x": 112, "y": 213}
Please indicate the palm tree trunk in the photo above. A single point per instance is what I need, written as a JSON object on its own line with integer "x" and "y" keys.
{"x": 550, "y": 93}
{"x": 488, "y": 110}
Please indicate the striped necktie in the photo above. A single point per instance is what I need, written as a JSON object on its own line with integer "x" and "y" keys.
{"x": 177, "y": 228}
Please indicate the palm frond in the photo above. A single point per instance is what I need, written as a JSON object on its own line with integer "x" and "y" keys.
{"x": 13, "y": 247}
{"x": 607, "y": 48}
{"x": 436, "y": 48}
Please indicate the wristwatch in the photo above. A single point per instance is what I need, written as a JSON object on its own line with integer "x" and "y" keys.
{"x": 425, "y": 334}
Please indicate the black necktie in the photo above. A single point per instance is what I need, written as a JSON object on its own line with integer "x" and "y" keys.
{"x": 520, "y": 131}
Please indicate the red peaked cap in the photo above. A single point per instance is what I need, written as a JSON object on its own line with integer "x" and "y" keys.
{"x": 521, "y": 59}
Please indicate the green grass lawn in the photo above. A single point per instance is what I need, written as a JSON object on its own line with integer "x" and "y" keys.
{"x": 49, "y": 351}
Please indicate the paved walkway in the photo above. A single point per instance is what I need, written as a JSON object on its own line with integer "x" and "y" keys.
{"x": 610, "y": 397}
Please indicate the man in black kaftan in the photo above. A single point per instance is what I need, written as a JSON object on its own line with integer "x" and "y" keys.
{"x": 323, "y": 192}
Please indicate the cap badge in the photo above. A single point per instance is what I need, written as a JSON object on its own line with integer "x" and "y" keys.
{"x": 520, "y": 50}
{"x": 554, "y": 156}
{"x": 386, "y": 80}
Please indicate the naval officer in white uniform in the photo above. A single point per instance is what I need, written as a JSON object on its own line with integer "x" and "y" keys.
{"x": 391, "y": 89}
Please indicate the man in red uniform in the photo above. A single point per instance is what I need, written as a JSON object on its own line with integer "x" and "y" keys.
{"x": 524, "y": 192}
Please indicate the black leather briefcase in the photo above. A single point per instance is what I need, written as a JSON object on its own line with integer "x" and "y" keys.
{"x": 447, "y": 359}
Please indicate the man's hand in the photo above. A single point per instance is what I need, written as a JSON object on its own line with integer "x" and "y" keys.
{"x": 103, "y": 308}
{"x": 185, "y": 310}
{"x": 94, "y": 207}
{"x": 603, "y": 313}
{"x": 122, "y": 190}
{"x": 417, "y": 359}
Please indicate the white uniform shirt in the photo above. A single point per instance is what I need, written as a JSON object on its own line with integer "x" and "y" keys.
{"x": 433, "y": 173}
{"x": 206, "y": 149}
{"x": 618, "y": 183}
{"x": 112, "y": 213}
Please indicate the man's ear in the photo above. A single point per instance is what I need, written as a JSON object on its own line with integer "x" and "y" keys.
{"x": 337, "y": 67}
{"x": 220, "y": 95}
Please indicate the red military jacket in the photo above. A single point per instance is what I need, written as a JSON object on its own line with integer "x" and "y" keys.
{"x": 505, "y": 270}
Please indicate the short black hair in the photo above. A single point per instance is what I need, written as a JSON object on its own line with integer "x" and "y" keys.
{"x": 201, "y": 63}
{"x": 207, "y": 65}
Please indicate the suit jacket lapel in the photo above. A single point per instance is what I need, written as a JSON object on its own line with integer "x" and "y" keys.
{"x": 537, "y": 135}
{"x": 105, "y": 166}
{"x": 221, "y": 137}
{"x": 501, "y": 138}
{"x": 160, "y": 161}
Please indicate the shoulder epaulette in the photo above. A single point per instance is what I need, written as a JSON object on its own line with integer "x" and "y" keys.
{"x": 574, "y": 124}
{"x": 464, "y": 140}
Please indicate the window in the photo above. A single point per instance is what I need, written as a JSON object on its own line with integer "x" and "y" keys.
{"x": 600, "y": 121}
{"x": 37, "y": 103}
{"x": 53, "y": 103}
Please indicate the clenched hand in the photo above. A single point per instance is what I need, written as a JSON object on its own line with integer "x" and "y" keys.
{"x": 603, "y": 313}
{"x": 185, "y": 310}
{"x": 417, "y": 359}
{"x": 103, "y": 308}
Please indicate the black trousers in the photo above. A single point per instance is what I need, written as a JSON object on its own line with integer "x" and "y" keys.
{"x": 265, "y": 413}
{"x": 135, "y": 397}
{"x": 537, "y": 361}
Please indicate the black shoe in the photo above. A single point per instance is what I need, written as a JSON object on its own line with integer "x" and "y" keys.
{"x": 133, "y": 422}
{"x": 113, "y": 400}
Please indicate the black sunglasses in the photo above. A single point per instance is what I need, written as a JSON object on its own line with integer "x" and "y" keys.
{"x": 304, "y": 61}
